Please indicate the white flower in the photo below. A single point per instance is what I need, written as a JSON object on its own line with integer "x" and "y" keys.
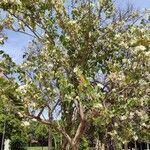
{"x": 20, "y": 114}
{"x": 116, "y": 124}
{"x": 33, "y": 104}
{"x": 142, "y": 82}
{"x": 123, "y": 117}
{"x": 72, "y": 22}
{"x": 138, "y": 113}
{"x": 144, "y": 124}
{"x": 100, "y": 85}
{"x": 114, "y": 132}
{"x": 68, "y": 97}
{"x": 148, "y": 90}
{"x": 75, "y": 69}
{"x": 135, "y": 137}
{"x": 98, "y": 105}
{"x": 113, "y": 90}
{"x": 117, "y": 36}
{"x": 147, "y": 53}
{"x": 25, "y": 123}
{"x": 55, "y": 90}
{"x": 124, "y": 60}
{"x": 22, "y": 88}
{"x": 135, "y": 64}
{"x": 34, "y": 119}
{"x": 131, "y": 115}
{"x": 50, "y": 65}
{"x": 18, "y": 2}
{"x": 67, "y": 37}
{"x": 1, "y": 40}
{"x": 48, "y": 89}
{"x": 140, "y": 48}
{"x": 77, "y": 97}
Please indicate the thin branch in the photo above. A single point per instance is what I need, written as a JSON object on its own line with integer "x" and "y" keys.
{"x": 82, "y": 125}
{"x": 23, "y": 32}
{"x": 41, "y": 111}
{"x": 36, "y": 34}
{"x": 53, "y": 124}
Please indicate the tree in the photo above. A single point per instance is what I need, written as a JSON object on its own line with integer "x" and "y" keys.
{"x": 38, "y": 132}
{"x": 92, "y": 67}
{"x": 11, "y": 127}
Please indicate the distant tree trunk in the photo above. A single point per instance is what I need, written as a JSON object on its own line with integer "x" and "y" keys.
{"x": 148, "y": 146}
{"x": 50, "y": 146}
{"x": 99, "y": 145}
{"x": 140, "y": 146}
{"x": 3, "y": 136}
{"x": 126, "y": 146}
{"x": 49, "y": 138}
{"x": 135, "y": 143}
{"x": 110, "y": 144}
{"x": 102, "y": 147}
{"x": 64, "y": 144}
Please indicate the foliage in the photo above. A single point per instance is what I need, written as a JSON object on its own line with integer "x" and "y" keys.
{"x": 14, "y": 127}
{"x": 18, "y": 142}
{"x": 91, "y": 65}
{"x": 84, "y": 144}
{"x": 14, "y": 130}
{"x": 42, "y": 132}
{"x": 38, "y": 132}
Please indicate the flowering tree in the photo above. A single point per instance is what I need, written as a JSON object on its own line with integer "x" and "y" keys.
{"x": 91, "y": 66}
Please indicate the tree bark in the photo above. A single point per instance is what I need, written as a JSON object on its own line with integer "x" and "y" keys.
{"x": 76, "y": 146}
{"x": 148, "y": 146}
{"x": 50, "y": 146}
{"x": 126, "y": 146}
{"x": 110, "y": 144}
{"x": 135, "y": 143}
{"x": 3, "y": 136}
{"x": 64, "y": 144}
{"x": 49, "y": 138}
{"x": 99, "y": 145}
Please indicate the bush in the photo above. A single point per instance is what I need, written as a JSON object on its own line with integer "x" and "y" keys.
{"x": 84, "y": 144}
{"x": 18, "y": 142}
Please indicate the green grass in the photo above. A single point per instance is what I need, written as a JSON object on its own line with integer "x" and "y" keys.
{"x": 37, "y": 148}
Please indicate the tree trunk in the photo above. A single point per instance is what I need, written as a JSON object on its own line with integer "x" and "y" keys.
{"x": 75, "y": 147}
{"x": 3, "y": 136}
{"x": 50, "y": 147}
{"x": 140, "y": 146}
{"x": 99, "y": 145}
{"x": 126, "y": 146}
{"x": 102, "y": 147}
{"x": 135, "y": 143}
{"x": 148, "y": 146}
{"x": 64, "y": 144}
{"x": 49, "y": 138}
{"x": 110, "y": 144}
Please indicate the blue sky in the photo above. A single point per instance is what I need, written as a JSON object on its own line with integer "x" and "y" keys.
{"x": 17, "y": 42}
{"x": 15, "y": 45}
{"x": 141, "y": 4}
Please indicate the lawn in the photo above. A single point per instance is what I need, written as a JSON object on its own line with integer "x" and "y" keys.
{"x": 37, "y": 148}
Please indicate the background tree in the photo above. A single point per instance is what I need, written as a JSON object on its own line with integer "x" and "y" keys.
{"x": 38, "y": 135}
{"x": 11, "y": 127}
{"x": 93, "y": 68}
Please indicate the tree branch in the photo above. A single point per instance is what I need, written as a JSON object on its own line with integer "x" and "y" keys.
{"x": 81, "y": 127}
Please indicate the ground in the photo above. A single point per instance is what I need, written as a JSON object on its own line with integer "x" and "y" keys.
{"x": 37, "y": 148}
